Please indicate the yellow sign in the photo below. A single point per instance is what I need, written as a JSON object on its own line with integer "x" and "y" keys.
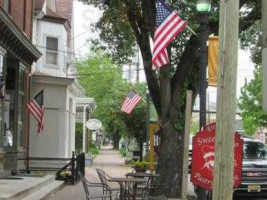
{"x": 152, "y": 129}
{"x": 213, "y": 60}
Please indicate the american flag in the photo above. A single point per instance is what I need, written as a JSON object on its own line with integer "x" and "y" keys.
{"x": 168, "y": 26}
{"x": 36, "y": 108}
{"x": 130, "y": 102}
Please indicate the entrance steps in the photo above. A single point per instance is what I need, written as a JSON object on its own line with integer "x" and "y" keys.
{"x": 29, "y": 187}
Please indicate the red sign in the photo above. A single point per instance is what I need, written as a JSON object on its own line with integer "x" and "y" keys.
{"x": 203, "y": 158}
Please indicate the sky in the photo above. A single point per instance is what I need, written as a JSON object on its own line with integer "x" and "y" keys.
{"x": 86, "y": 15}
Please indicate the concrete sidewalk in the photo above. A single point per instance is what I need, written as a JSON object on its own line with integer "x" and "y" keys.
{"x": 111, "y": 162}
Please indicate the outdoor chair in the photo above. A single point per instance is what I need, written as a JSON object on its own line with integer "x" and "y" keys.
{"x": 104, "y": 179}
{"x": 88, "y": 186}
{"x": 158, "y": 192}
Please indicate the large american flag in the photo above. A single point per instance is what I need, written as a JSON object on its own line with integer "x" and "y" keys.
{"x": 168, "y": 26}
{"x": 36, "y": 108}
{"x": 130, "y": 102}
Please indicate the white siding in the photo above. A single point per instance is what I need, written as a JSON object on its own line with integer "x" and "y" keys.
{"x": 46, "y": 29}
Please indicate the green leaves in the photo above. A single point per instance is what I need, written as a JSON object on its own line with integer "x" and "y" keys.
{"x": 103, "y": 81}
{"x": 250, "y": 104}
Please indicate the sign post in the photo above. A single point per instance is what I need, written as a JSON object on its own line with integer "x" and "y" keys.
{"x": 203, "y": 155}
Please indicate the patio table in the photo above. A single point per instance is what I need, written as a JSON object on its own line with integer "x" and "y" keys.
{"x": 123, "y": 182}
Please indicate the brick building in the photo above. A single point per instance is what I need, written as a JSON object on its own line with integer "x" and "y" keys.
{"x": 17, "y": 54}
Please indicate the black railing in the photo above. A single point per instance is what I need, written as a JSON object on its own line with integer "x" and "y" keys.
{"x": 75, "y": 163}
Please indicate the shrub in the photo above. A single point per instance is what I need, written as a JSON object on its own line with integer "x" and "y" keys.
{"x": 123, "y": 152}
{"x": 94, "y": 149}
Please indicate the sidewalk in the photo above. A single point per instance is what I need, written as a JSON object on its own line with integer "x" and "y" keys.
{"x": 108, "y": 160}
{"x": 111, "y": 162}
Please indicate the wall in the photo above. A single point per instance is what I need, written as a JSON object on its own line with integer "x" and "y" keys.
{"x": 42, "y": 30}
{"x": 58, "y": 138}
{"x": 21, "y": 12}
{"x": 50, "y": 142}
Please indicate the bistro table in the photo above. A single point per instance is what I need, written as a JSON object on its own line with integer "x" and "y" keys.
{"x": 124, "y": 182}
{"x": 143, "y": 175}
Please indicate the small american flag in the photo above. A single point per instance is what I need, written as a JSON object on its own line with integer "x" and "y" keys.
{"x": 36, "y": 108}
{"x": 130, "y": 102}
{"x": 168, "y": 26}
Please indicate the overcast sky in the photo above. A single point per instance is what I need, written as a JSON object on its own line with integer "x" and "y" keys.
{"x": 85, "y": 15}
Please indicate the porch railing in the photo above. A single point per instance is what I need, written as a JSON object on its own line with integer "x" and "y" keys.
{"x": 74, "y": 164}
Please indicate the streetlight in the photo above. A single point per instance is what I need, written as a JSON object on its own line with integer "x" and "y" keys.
{"x": 203, "y": 7}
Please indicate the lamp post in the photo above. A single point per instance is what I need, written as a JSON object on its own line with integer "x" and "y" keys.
{"x": 203, "y": 8}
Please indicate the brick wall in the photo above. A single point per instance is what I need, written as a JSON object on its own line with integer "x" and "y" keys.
{"x": 2, "y": 3}
{"x": 21, "y": 14}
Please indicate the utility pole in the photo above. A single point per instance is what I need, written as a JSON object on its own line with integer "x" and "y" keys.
{"x": 226, "y": 101}
{"x": 264, "y": 53}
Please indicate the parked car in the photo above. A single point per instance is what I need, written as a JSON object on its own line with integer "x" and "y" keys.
{"x": 254, "y": 169}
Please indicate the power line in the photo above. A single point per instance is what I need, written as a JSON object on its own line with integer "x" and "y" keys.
{"x": 104, "y": 72}
{"x": 59, "y": 50}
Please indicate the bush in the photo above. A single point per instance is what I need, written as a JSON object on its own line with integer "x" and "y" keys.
{"x": 94, "y": 149}
{"x": 123, "y": 152}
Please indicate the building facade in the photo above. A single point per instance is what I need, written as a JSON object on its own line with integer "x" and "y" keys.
{"x": 55, "y": 74}
{"x": 52, "y": 35}
{"x": 17, "y": 54}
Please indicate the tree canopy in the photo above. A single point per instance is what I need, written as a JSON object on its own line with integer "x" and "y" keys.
{"x": 250, "y": 103}
{"x": 103, "y": 81}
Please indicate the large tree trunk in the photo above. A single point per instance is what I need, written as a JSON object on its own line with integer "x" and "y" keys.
{"x": 170, "y": 157}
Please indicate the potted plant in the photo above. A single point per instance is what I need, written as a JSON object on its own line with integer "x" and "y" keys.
{"x": 141, "y": 166}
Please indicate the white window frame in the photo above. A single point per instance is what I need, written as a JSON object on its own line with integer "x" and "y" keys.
{"x": 51, "y": 51}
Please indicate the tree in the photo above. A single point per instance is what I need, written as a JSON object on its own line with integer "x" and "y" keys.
{"x": 250, "y": 102}
{"x": 135, "y": 122}
{"x": 103, "y": 80}
{"x": 128, "y": 23}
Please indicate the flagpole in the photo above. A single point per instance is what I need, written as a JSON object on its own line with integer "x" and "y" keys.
{"x": 191, "y": 30}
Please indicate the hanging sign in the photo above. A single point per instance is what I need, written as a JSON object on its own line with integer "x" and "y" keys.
{"x": 203, "y": 158}
{"x": 93, "y": 124}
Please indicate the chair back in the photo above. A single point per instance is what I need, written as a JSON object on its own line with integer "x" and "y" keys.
{"x": 84, "y": 184}
{"x": 102, "y": 176}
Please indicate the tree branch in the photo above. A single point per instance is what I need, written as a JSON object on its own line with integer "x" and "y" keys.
{"x": 141, "y": 33}
{"x": 187, "y": 63}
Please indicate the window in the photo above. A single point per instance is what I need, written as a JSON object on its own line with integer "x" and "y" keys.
{"x": 254, "y": 150}
{"x": 51, "y": 51}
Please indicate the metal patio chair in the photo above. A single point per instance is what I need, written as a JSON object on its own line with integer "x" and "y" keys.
{"x": 88, "y": 186}
{"x": 104, "y": 178}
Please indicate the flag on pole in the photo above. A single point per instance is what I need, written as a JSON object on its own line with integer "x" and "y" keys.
{"x": 168, "y": 26}
{"x": 36, "y": 108}
{"x": 130, "y": 102}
